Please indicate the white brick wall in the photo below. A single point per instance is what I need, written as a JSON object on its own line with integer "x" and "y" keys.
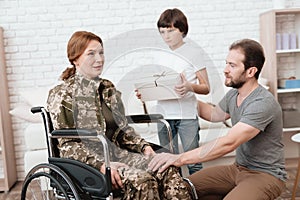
{"x": 36, "y": 33}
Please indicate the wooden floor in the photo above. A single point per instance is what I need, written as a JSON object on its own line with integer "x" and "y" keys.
{"x": 15, "y": 192}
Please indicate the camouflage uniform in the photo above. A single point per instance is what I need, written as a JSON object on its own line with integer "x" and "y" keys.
{"x": 76, "y": 104}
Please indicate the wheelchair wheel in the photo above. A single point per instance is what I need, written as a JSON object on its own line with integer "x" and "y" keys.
{"x": 48, "y": 182}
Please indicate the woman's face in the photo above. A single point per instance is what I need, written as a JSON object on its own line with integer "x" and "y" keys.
{"x": 90, "y": 63}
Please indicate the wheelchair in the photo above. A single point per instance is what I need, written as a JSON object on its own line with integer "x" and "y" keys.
{"x": 68, "y": 179}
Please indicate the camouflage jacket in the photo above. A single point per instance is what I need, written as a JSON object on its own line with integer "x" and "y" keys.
{"x": 75, "y": 103}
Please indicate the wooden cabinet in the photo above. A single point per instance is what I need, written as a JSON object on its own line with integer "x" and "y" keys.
{"x": 8, "y": 172}
{"x": 283, "y": 62}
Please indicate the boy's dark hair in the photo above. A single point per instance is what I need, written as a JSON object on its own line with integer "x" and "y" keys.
{"x": 173, "y": 18}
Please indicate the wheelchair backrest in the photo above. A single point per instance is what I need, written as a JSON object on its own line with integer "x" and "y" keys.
{"x": 52, "y": 143}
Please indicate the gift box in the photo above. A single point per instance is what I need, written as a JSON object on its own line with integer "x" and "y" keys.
{"x": 158, "y": 86}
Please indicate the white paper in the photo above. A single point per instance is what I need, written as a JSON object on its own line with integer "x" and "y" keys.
{"x": 158, "y": 86}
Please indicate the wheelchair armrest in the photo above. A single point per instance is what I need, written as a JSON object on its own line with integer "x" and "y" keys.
{"x": 143, "y": 118}
{"x": 85, "y": 176}
{"x": 74, "y": 132}
{"x": 85, "y": 133}
{"x": 153, "y": 118}
{"x": 159, "y": 149}
{"x": 36, "y": 109}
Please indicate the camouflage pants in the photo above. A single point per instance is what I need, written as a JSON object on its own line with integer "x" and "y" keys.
{"x": 143, "y": 185}
{"x": 139, "y": 184}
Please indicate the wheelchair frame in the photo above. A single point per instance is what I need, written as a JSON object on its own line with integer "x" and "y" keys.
{"x": 63, "y": 178}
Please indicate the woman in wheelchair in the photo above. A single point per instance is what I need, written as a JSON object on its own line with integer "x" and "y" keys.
{"x": 84, "y": 100}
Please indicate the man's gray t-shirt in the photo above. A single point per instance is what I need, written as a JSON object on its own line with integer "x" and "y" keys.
{"x": 264, "y": 152}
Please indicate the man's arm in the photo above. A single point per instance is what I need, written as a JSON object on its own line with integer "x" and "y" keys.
{"x": 237, "y": 135}
{"x": 211, "y": 113}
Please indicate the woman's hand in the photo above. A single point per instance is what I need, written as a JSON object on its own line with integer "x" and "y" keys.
{"x": 115, "y": 177}
{"x": 148, "y": 151}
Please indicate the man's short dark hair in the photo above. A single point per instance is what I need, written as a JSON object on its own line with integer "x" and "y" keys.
{"x": 254, "y": 54}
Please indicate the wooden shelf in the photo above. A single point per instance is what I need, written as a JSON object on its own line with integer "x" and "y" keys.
{"x": 279, "y": 61}
{"x": 288, "y": 51}
{"x": 268, "y": 30}
{"x": 282, "y": 91}
{"x": 294, "y": 129}
{"x": 286, "y": 11}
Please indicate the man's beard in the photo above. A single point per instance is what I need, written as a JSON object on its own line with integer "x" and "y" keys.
{"x": 238, "y": 83}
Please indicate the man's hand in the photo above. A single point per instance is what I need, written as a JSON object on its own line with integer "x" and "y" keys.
{"x": 115, "y": 177}
{"x": 162, "y": 161}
